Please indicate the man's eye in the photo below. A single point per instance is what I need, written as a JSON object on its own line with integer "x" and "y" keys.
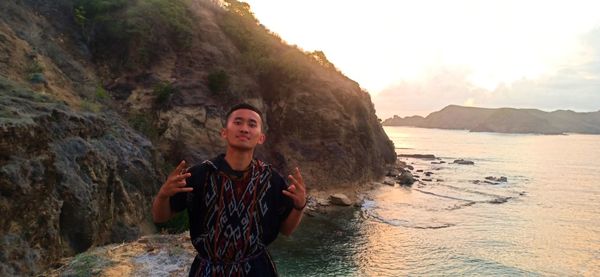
{"x": 253, "y": 125}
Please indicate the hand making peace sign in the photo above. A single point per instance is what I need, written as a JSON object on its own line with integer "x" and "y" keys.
{"x": 175, "y": 182}
{"x": 297, "y": 190}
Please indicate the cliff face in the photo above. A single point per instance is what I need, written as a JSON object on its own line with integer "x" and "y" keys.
{"x": 504, "y": 120}
{"x": 90, "y": 119}
{"x": 68, "y": 180}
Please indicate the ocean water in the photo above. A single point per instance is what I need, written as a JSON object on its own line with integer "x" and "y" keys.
{"x": 545, "y": 221}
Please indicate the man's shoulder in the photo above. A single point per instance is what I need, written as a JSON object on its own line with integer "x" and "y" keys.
{"x": 206, "y": 165}
{"x": 276, "y": 176}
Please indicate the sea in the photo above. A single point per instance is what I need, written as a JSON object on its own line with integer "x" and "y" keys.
{"x": 543, "y": 221}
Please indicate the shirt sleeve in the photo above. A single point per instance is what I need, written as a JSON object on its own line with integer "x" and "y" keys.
{"x": 178, "y": 201}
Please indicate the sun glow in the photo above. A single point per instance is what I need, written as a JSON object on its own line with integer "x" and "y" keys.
{"x": 380, "y": 43}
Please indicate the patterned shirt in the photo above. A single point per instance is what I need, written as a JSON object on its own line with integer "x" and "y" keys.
{"x": 233, "y": 216}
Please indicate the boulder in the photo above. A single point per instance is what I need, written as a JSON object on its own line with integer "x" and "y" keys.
{"x": 461, "y": 161}
{"x": 501, "y": 179}
{"x": 393, "y": 172}
{"x": 389, "y": 181}
{"x": 406, "y": 179}
{"x": 340, "y": 199}
{"x": 323, "y": 202}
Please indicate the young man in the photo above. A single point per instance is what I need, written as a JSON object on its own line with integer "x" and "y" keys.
{"x": 236, "y": 204}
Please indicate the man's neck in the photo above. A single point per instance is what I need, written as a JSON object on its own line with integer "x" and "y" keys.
{"x": 238, "y": 160}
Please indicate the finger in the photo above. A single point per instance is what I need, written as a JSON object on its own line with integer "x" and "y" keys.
{"x": 182, "y": 176}
{"x": 298, "y": 180}
{"x": 186, "y": 169}
{"x": 178, "y": 169}
{"x": 292, "y": 179}
{"x": 288, "y": 194}
{"x": 291, "y": 188}
{"x": 298, "y": 175}
{"x": 184, "y": 189}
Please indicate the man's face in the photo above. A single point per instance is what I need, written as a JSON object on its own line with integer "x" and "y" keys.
{"x": 243, "y": 130}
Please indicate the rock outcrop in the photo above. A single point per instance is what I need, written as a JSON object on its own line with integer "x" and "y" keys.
{"x": 340, "y": 199}
{"x": 68, "y": 180}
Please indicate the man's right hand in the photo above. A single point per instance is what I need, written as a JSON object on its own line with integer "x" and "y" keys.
{"x": 175, "y": 182}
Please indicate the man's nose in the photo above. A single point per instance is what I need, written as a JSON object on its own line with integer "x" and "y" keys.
{"x": 244, "y": 128}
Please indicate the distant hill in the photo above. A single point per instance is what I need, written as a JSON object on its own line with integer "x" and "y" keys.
{"x": 504, "y": 120}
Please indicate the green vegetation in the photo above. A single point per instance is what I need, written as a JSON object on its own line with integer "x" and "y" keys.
{"x": 90, "y": 106}
{"x": 218, "y": 81}
{"x": 163, "y": 92}
{"x": 276, "y": 66}
{"x": 144, "y": 123}
{"x": 9, "y": 88}
{"x": 320, "y": 57}
{"x": 37, "y": 78}
{"x": 101, "y": 93}
{"x": 35, "y": 72}
{"x": 128, "y": 34}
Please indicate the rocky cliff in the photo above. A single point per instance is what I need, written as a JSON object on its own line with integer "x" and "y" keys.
{"x": 68, "y": 180}
{"x": 99, "y": 98}
{"x": 504, "y": 120}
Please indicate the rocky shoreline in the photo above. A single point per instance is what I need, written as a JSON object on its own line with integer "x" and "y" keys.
{"x": 401, "y": 174}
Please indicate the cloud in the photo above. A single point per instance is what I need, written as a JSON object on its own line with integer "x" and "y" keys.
{"x": 575, "y": 86}
{"x": 437, "y": 88}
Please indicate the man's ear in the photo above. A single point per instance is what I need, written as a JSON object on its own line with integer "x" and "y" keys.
{"x": 224, "y": 132}
{"x": 262, "y": 138}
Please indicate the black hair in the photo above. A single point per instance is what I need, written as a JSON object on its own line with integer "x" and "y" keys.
{"x": 245, "y": 106}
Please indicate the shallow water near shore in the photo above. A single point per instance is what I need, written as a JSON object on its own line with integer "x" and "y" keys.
{"x": 544, "y": 221}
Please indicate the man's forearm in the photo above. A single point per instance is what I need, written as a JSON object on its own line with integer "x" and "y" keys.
{"x": 161, "y": 209}
{"x": 291, "y": 222}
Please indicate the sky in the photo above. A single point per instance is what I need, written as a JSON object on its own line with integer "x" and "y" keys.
{"x": 416, "y": 57}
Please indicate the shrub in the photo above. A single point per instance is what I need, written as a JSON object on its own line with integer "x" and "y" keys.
{"x": 89, "y": 106}
{"x": 144, "y": 123}
{"x": 163, "y": 92}
{"x": 133, "y": 33}
{"x": 101, "y": 93}
{"x": 274, "y": 65}
{"x": 321, "y": 59}
{"x": 37, "y": 78}
{"x": 35, "y": 67}
{"x": 218, "y": 81}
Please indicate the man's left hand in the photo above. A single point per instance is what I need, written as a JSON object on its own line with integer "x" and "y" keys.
{"x": 297, "y": 190}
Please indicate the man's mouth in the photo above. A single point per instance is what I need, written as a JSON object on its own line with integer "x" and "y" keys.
{"x": 243, "y": 137}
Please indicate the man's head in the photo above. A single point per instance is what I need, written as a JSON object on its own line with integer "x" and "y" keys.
{"x": 243, "y": 127}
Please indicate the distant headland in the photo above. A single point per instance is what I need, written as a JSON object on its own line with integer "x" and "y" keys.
{"x": 504, "y": 120}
